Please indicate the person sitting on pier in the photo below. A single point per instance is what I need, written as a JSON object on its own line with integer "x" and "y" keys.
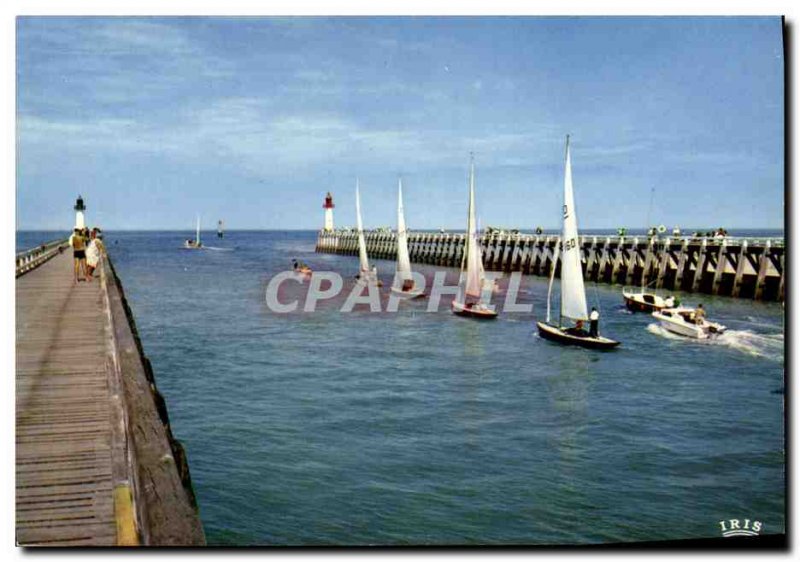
{"x": 78, "y": 243}
{"x": 699, "y": 314}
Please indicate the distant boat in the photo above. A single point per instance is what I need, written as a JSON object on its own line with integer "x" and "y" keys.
{"x": 301, "y": 269}
{"x": 403, "y": 280}
{"x": 220, "y": 230}
{"x": 194, "y": 244}
{"x": 365, "y": 274}
{"x": 682, "y": 321}
{"x": 644, "y": 300}
{"x": 573, "y": 293}
{"x": 475, "y": 291}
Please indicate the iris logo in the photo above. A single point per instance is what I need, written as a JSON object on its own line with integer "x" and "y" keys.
{"x": 739, "y": 528}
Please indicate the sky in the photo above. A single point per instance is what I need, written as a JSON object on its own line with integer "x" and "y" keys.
{"x": 252, "y": 120}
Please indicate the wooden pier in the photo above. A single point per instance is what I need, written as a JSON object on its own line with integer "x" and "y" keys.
{"x": 96, "y": 463}
{"x": 743, "y": 268}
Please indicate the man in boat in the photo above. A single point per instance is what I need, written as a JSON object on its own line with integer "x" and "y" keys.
{"x": 577, "y": 329}
{"x": 594, "y": 320}
{"x": 699, "y": 314}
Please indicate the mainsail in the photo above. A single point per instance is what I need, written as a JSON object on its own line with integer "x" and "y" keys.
{"x": 474, "y": 263}
{"x": 362, "y": 244}
{"x": 197, "y": 236}
{"x": 403, "y": 259}
{"x": 573, "y": 294}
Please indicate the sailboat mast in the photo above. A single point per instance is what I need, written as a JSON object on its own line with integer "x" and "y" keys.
{"x": 362, "y": 245}
{"x": 647, "y": 231}
{"x": 567, "y": 170}
{"x": 197, "y": 237}
{"x": 468, "y": 240}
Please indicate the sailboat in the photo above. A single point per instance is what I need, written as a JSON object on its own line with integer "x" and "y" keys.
{"x": 403, "y": 280}
{"x": 644, "y": 300}
{"x": 194, "y": 244}
{"x": 475, "y": 291}
{"x": 365, "y": 274}
{"x": 573, "y": 293}
{"x": 220, "y": 230}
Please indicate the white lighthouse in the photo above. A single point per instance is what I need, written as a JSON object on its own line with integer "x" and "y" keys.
{"x": 80, "y": 221}
{"x": 328, "y": 206}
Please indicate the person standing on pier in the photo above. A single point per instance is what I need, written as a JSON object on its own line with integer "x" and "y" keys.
{"x": 594, "y": 320}
{"x": 78, "y": 243}
{"x": 94, "y": 253}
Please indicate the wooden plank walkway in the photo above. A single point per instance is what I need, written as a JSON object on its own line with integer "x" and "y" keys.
{"x": 64, "y": 486}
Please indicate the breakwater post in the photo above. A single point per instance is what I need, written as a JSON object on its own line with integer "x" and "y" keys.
{"x": 737, "y": 267}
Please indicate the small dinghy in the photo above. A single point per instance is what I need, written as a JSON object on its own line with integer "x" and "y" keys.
{"x": 573, "y": 293}
{"x": 682, "y": 321}
{"x": 301, "y": 270}
{"x": 475, "y": 292}
{"x": 365, "y": 276}
{"x": 403, "y": 280}
{"x": 194, "y": 244}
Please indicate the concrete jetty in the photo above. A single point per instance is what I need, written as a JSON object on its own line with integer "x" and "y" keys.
{"x": 736, "y": 267}
{"x": 96, "y": 462}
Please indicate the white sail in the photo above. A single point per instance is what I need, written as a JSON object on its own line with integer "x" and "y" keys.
{"x": 197, "y": 237}
{"x": 474, "y": 263}
{"x": 403, "y": 259}
{"x": 573, "y": 294}
{"x": 362, "y": 244}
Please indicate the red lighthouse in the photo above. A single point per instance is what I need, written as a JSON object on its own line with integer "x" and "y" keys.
{"x": 328, "y": 206}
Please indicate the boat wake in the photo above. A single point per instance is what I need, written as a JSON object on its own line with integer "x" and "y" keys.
{"x": 769, "y": 346}
{"x": 217, "y": 249}
{"x": 658, "y": 330}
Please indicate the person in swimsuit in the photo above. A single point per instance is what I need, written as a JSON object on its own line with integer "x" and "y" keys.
{"x": 78, "y": 243}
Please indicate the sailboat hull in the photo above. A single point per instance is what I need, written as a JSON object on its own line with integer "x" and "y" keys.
{"x": 461, "y": 309}
{"x": 559, "y": 335}
{"x": 412, "y": 294}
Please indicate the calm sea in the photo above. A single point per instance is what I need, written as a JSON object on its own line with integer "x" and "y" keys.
{"x": 426, "y": 428}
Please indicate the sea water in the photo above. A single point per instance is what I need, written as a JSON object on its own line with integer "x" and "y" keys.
{"x": 332, "y": 428}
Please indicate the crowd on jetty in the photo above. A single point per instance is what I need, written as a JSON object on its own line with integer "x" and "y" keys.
{"x": 87, "y": 250}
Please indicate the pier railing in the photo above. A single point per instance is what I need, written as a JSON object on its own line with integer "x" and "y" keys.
{"x": 34, "y": 257}
{"x": 731, "y": 266}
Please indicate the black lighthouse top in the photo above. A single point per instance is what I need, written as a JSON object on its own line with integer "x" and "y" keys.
{"x": 79, "y": 206}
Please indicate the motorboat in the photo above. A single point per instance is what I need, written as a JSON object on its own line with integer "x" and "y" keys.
{"x": 644, "y": 301}
{"x": 683, "y": 321}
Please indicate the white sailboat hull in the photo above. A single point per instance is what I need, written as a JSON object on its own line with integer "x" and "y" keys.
{"x": 681, "y": 321}
{"x": 471, "y": 310}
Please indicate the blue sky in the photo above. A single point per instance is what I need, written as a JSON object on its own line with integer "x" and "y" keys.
{"x": 154, "y": 120}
